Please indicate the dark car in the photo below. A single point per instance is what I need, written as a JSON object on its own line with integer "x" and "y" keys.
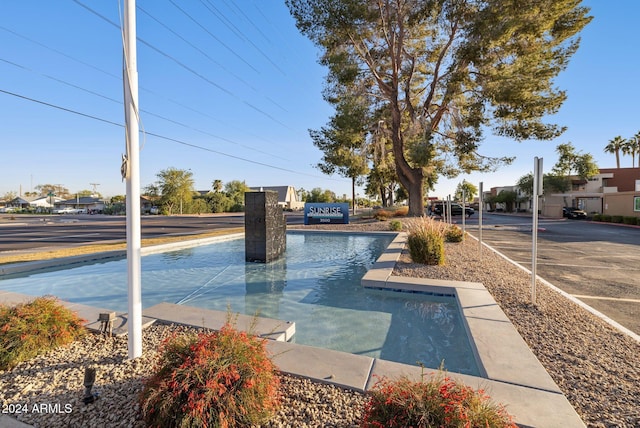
{"x": 456, "y": 209}
{"x": 576, "y": 213}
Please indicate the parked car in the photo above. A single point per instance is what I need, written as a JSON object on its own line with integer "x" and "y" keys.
{"x": 576, "y": 213}
{"x": 70, "y": 210}
{"x": 8, "y": 209}
{"x": 456, "y": 209}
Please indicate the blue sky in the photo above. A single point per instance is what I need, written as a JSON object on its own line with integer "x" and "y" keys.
{"x": 229, "y": 90}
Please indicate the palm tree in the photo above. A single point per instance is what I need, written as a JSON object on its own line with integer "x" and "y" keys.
{"x": 216, "y": 185}
{"x": 631, "y": 147}
{"x": 615, "y": 146}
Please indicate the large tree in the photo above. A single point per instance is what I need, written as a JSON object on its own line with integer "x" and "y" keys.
{"x": 176, "y": 188}
{"x": 447, "y": 70}
{"x": 343, "y": 142}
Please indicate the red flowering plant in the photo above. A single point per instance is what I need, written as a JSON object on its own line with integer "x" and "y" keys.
{"x": 219, "y": 379}
{"x": 436, "y": 402}
{"x": 29, "y": 329}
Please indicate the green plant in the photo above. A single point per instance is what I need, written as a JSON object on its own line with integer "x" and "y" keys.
{"x": 29, "y": 329}
{"x": 629, "y": 220}
{"x": 395, "y": 225}
{"x": 453, "y": 234}
{"x": 616, "y": 219}
{"x": 222, "y": 379}
{"x": 597, "y": 217}
{"x": 606, "y": 218}
{"x": 638, "y": 221}
{"x": 426, "y": 241}
{"x": 436, "y": 402}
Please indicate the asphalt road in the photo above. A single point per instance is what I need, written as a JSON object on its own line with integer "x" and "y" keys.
{"x": 33, "y": 232}
{"x": 598, "y": 263}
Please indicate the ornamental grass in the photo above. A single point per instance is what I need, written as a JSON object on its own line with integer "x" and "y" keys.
{"x": 425, "y": 240}
{"x": 32, "y": 328}
{"x": 437, "y": 402}
{"x": 211, "y": 379}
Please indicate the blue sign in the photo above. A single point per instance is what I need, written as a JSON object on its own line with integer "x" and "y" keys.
{"x": 316, "y": 213}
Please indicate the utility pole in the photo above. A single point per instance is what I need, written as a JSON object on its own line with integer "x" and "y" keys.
{"x": 95, "y": 187}
{"x": 131, "y": 172}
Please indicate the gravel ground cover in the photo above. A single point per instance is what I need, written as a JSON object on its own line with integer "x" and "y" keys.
{"x": 596, "y": 367}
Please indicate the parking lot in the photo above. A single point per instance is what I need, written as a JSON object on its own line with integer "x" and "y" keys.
{"x": 598, "y": 263}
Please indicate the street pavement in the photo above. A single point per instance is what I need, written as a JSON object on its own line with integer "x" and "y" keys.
{"x": 598, "y": 263}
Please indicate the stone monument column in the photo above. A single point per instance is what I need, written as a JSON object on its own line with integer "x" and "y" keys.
{"x": 264, "y": 227}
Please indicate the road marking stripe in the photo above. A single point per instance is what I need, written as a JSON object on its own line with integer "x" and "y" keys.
{"x": 64, "y": 237}
{"x": 607, "y": 298}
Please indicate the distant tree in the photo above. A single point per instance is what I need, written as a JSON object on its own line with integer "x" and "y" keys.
{"x": 151, "y": 190}
{"x": 235, "y": 191}
{"x": 630, "y": 147}
{"x": 550, "y": 184}
{"x": 319, "y": 195}
{"x": 615, "y": 146}
{"x": 216, "y": 186}
{"x": 218, "y": 202}
{"x": 30, "y": 194}
{"x": 508, "y": 198}
{"x": 56, "y": 189}
{"x": 302, "y": 194}
{"x": 9, "y": 196}
{"x": 118, "y": 199}
{"x": 570, "y": 161}
{"x": 176, "y": 188}
{"x": 470, "y": 191}
{"x": 197, "y": 205}
{"x": 84, "y": 193}
{"x": 525, "y": 184}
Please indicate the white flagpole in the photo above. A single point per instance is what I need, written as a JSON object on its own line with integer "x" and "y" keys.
{"x": 132, "y": 171}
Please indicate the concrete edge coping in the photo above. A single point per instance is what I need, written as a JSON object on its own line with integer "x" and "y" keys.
{"x": 529, "y": 406}
{"x": 22, "y": 267}
{"x": 502, "y": 354}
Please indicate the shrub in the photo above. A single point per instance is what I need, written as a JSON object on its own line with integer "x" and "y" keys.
{"x": 437, "y": 402}
{"x": 29, "y": 329}
{"x": 638, "y": 221}
{"x": 395, "y": 225}
{"x": 453, "y": 234}
{"x": 222, "y": 379}
{"x": 606, "y": 218}
{"x": 597, "y": 217}
{"x": 382, "y": 215}
{"x": 616, "y": 219}
{"x": 426, "y": 241}
{"x": 629, "y": 220}
{"x": 401, "y": 212}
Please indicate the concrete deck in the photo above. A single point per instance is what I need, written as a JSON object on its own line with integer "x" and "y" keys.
{"x": 511, "y": 373}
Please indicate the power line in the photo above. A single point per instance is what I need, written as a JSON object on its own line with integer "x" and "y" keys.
{"x": 175, "y": 140}
{"x": 119, "y": 78}
{"x": 210, "y": 6}
{"x": 214, "y": 37}
{"x": 166, "y": 55}
{"x": 119, "y": 102}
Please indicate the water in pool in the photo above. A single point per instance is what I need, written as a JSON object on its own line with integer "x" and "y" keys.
{"x": 316, "y": 285}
